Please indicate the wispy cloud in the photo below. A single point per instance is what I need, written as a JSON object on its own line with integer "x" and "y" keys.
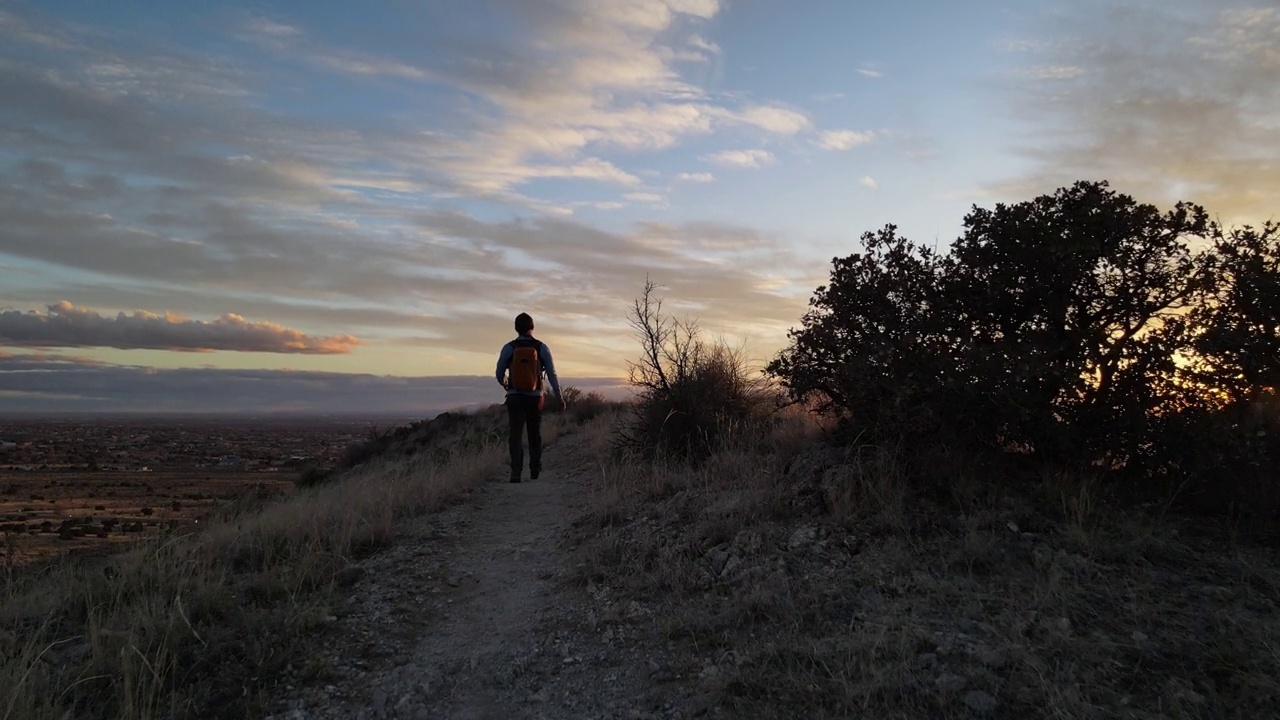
{"x": 776, "y": 119}
{"x": 645, "y": 197}
{"x": 1052, "y": 72}
{"x": 740, "y": 158}
{"x": 704, "y": 45}
{"x": 844, "y": 139}
{"x": 64, "y": 325}
{"x": 112, "y": 196}
{"x": 1177, "y": 100}
{"x": 266, "y": 27}
{"x": 869, "y": 72}
{"x": 869, "y": 182}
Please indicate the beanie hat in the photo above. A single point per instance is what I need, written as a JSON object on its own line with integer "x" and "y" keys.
{"x": 524, "y": 323}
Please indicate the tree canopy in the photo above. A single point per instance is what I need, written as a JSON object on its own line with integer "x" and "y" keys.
{"x": 1078, "y": 325}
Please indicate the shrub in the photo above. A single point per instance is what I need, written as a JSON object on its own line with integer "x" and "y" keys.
{"x": 315, "y": 475}
{"x": 691, "y": 394}
{"x": 583, "y": 406}
{"x": 1080, "y": 327}
{"x": 362, "y": 451}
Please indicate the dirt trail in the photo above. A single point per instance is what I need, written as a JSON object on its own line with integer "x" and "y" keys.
{"x": 472, "y": 616}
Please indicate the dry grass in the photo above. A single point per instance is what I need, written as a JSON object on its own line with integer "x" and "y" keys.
{"x": 875, "y": 602}
{"x": 197, "y": 625}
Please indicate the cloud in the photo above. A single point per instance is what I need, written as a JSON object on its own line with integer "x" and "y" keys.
{"x": 645, "y": 197}
{"x": 43, "y": 384}
{"x": 1168, "y": 101}
{"x": 293, "y": 40}
{"x": 65, "y": 325}
{"x": 700, "y": 43}
{"x": 112, "y": 196}
{"x": 868, "y": 72}
{"x": 844, "y": 139}
{"x": 612, "y": 83}
{"x": 270, "y": 28}
{"x": 776, "y": 119}
{"x": 1052, "y": 72}
{"x": 700, "y": 177}
{"x": 740, "y": 158}
{"x": 870, "y": 182}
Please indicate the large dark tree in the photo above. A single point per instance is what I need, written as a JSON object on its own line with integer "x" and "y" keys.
{"x": 1237, "y": 347}
{"x": 1054, "y": 324}
{"x": 1081, "y": 327}
{"x": 871, "y": 343}
{"x": 1069, "y": 309}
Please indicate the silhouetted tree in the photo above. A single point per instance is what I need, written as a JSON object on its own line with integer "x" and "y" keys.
{"x": 1081, "y": 325}
{"x": 1069, "y": 313}
{"x": 1237, "y": 344}
{"x": 872, "y": 344}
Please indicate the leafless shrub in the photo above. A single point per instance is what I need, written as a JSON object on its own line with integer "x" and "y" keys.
{"x": 690, "y": 392}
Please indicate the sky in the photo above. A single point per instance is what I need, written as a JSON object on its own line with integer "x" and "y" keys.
{"x": 339, "y": 207}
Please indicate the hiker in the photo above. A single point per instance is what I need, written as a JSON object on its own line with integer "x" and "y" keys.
{"x": 520, "y": 367}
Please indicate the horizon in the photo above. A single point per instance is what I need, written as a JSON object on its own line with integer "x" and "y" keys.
{"x": 265, "y": 208}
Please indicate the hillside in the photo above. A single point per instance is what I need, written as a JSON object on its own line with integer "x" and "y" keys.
{"x": 792, "y": 580}
{"x": 780, "y": 577}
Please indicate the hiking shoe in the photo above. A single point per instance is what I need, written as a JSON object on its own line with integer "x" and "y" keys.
{"x": 533, "y": 474}
{"x": 515, "y": 478}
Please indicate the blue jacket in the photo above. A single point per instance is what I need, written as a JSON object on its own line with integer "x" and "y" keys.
{"x": 544, "y": 354}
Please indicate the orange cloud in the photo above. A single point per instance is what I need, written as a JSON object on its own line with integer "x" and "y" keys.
{"x": 65, "y": 325}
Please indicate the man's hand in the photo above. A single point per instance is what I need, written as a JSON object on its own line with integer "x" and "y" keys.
{"x": 562, "y": 403}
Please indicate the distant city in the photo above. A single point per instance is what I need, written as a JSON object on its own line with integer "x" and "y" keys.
{"x": 171, "y": 443}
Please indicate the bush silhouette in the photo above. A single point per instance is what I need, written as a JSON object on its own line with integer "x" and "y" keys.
{"x": 1080, "y": 327}
{"x": 691, "y": 394}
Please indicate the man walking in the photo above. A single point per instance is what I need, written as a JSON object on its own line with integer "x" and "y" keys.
{"x": 521, "y": 365}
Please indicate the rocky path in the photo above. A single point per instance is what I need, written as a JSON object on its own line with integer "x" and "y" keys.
{"x": 473, "y": 616}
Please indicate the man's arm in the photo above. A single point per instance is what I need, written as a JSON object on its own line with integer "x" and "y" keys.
{"x": 550, "y": 368}
{"x": 504, "y": 362}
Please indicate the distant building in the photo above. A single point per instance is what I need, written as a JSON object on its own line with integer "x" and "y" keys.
{"x": 229, "y": 460}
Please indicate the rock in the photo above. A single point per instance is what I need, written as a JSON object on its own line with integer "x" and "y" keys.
{"x": 748, "y": 541}
{"x": 731, "y": 566}
{"x": 348, "y": 576}
{"x": 802, "y": 536}
{"x": 980, "y": 702}
{"x": 718, "y": 557}
{"x": 949, "y": 683}
{"x": 994, "y": 658}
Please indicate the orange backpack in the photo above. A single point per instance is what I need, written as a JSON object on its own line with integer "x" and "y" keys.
{"x": 526, "y": 366}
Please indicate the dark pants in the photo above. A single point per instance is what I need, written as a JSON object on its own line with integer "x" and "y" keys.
{"x": 525, "y": 410}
